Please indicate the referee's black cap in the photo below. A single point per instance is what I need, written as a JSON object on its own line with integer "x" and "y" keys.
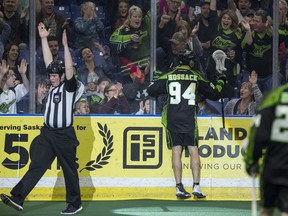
{"x": 56, "y": 67}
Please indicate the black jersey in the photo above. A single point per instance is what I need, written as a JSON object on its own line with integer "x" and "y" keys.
{"x": 225, "y": 40}
{"x": 260, "y": 52}
{"x": 181, "y": 85}
{"x": 269, "y": 137}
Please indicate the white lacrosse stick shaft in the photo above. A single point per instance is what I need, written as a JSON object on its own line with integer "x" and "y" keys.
{"x": 254, "y": 202}
{"x": 219, "y": 57}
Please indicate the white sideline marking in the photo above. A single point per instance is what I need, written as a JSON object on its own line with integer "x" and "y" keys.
{"x": 47, "y": 182}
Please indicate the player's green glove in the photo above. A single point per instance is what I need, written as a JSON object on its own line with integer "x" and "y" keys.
{"x": 221, "y": 81}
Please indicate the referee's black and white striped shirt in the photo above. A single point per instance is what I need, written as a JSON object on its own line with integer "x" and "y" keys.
{"x": 60, "y": 103}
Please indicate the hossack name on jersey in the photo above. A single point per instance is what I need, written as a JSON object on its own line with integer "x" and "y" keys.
{"x": 182, "y": 77}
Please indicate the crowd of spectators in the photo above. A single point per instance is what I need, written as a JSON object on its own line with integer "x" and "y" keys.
{"x": 110, "y": 45}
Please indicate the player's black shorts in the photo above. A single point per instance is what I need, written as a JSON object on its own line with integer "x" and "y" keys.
{"x": 274, "y": 196}
{"x": 182, "y": 139}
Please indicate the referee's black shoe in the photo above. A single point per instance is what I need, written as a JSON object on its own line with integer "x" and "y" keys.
{"x": 181, "y": 192}
{"x": 70, "y": 210}
{"x": 11, "y": 201}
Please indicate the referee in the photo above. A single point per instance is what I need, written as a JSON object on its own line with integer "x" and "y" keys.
{"x": 57, "y": 137}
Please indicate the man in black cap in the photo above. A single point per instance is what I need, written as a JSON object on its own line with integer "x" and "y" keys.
{"x": 167, "y": 58}
{"x": 57, "y": 137}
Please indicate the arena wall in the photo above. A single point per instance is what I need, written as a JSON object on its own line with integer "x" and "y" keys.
{"x": 126, "y": 157}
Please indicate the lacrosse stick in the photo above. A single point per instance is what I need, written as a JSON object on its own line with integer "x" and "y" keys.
{"x": 219, "y": 57}
{"x": 254, "y": 203}
{"x": 245, "y": 143}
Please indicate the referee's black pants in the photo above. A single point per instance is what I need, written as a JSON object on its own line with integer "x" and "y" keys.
{"x": 51, "y": 143}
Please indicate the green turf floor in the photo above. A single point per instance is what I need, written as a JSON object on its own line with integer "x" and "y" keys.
{"x": 145, "y": 207}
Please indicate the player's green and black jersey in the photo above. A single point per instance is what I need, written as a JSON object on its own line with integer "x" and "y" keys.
{"x": 181, "y": 85}
{"x": 268, "y": 139}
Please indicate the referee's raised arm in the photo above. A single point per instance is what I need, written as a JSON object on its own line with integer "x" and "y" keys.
{"x": 67, "y": 57}
{"x": 43, "y": 32}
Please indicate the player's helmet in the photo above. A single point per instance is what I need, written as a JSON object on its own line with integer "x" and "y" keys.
{"x": 185, "y": 57}
{"x": 56, "y": 67}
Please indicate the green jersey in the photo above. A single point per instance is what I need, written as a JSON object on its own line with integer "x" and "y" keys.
{"x": 268, "y": 139}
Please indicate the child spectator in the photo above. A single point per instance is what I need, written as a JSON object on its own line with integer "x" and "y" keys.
{"x": 91, "y": 84}
{"x": 96, "y": 100}
{"x": 205, "y": 108}
{"x": 144, "y": 106}
{"x": 115, "y": 101}
{"x": 82, "y": 107}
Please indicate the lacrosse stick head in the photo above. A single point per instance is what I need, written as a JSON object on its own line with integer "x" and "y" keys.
{"x": 219, "y": 57}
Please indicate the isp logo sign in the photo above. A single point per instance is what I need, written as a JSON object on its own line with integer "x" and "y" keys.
{"x": 142, "y": 147}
